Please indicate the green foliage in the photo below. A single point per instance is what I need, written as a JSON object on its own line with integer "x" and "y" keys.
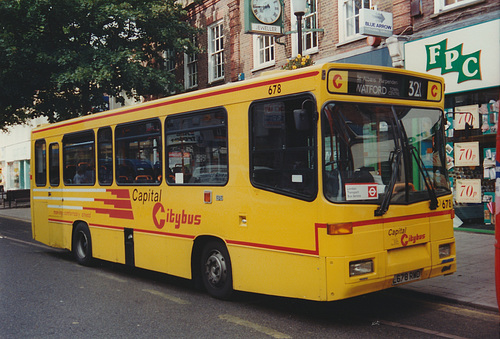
{"x": 59, "y": 58}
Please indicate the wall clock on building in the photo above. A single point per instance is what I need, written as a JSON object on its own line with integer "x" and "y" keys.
{"x": 266, "y": 11}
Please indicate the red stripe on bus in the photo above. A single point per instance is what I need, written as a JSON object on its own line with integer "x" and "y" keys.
{"x": 60, "y": 221}
{"x": 119, "y": 193}
{"x": 181, "y": 100}
{"x": 117, "y": 214}
{"x": 166, "y": 234}
{"x": 283, "y": 248}
{"x": 317, "y": 226}
{"x": 185, "y": 236}
{"x": 402, "y": 218}
{"x": 126, "y": 204}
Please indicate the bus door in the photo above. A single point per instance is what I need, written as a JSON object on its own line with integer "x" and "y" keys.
{"x": 54, "y": 198}
{"x": 39, "y": 193}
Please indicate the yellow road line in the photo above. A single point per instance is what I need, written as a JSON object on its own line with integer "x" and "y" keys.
{"x": 262, "y": 329}
{"x": 168, "y": 297}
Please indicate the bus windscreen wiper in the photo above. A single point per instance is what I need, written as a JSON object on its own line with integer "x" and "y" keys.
{"x": 430, "y": 188}
{"x": 384, "y": 205}
{"x": 395, "y": 161}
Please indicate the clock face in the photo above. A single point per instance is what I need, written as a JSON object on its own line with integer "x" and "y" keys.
{"x": 266, "y": 11}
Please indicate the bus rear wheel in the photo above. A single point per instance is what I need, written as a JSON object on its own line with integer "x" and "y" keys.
{"x": 82, "y": 244}
{"x": 216, "y": 270}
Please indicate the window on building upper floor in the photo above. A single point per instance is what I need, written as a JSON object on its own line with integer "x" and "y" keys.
{"x": 310, "y": 22}
{"x": 309, "y": 26}
{"x": 169, "y": 56}
{"x": 170, "y": 64}
{"x": 443, "y": 5}
{"x": 263, "y": 51}
{"x": 216, "y": 52}
{"x": 191, "y": 69}
{"x": 349, "y": 18}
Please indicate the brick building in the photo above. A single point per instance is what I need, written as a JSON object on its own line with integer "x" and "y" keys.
{"x": 229, "y": 54}
{"x": 463, "y": 36}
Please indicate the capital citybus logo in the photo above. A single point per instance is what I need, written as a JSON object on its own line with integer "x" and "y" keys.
{"x": 338, "y": 81}
{"x": 447, "y": 60}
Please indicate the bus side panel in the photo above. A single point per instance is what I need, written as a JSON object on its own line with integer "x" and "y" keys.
{"x": 442, "y": 228}
{"x": 277, "y": 273}
{"x": 60, "y": 235}
{"x": 39, "y": 224}
{"x": 163, "y": 254}
{"x": 108, "y": 244}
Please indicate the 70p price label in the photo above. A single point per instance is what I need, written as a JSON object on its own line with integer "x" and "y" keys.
{"x": 467, "y": 154}
{"x": 468, "y": 190}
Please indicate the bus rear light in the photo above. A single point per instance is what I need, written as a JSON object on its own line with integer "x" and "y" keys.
{"x": 360, "y": 267}
{"x": 452, "y": 214}
{"x": 444, "y": 251}
{"x": 341, "y": 228}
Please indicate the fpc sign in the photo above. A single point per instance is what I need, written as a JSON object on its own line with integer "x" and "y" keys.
{"x": 467, "y": 58}
{"x": 375, "y": 23}
{"x": 468, "y": 66}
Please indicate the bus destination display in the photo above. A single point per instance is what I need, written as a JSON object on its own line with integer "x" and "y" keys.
{"x": 379, "y": 84}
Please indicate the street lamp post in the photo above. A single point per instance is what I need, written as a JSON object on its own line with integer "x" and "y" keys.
{"x": 299, "y": 9}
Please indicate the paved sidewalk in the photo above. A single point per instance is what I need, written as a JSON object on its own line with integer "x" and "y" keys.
{"x": 473, "y": 283}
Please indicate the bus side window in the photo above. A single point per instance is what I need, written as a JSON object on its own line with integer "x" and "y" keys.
{"x": 54, "y": 164}
{"x": 196, "y": 149}
{"x": 79, "y": 158}
{"x": 40, "y": 163}
{"x": 104, "y": 156}
{"x": 138, "y": 153}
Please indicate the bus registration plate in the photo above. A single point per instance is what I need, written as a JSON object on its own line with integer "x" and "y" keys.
{"x": 406, "y": 277}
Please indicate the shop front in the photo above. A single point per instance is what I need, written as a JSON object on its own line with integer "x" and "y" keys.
{"x": 468, "y": 60}
{"x": 15, "y": 158}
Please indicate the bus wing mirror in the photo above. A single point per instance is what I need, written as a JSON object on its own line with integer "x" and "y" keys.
{"x": 302, "y": 118}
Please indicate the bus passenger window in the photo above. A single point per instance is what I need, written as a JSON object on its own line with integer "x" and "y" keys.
{"x": 40, "y": 163}
{"x": 138, "y": 153}
{"x": 283, "y": 149}
{"x": 196, "y": 149}
{"x": 104, "y": 156}
{"x": 54, "y": 164}
{"x": 79, "y": 158}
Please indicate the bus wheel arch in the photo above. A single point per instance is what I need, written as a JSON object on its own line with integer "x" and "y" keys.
{"x": 81, "y": 244}
{"x": 211, "y": 267}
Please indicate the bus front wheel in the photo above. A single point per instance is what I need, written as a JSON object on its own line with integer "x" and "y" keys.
{"x": 216, "y": 270}
{"x": 82, "y": 244}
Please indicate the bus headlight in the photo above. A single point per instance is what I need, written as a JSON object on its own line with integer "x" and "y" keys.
{"x": 444, "y": 251}
{"x": 360, "y": 267}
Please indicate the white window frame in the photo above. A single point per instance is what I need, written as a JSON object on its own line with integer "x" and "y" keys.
{"x": 191, "y": 69}
{"x": 216, "y": 51}
{"x": 440, "y": 5}
{"x": 170, "y": 62}
{"x": 313, "y": 36}
{"x": 261, "y": 45}
{"x": 342, "y": 10}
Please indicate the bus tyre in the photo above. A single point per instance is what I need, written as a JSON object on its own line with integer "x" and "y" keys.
{"x": 216, "y": 270}
{"x": 82, "y": 244}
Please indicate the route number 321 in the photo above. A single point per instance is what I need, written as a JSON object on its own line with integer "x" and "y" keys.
{"x": 415, "y": 89}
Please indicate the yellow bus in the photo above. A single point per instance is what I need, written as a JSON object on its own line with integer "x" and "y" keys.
{"x": 321, "y": 183}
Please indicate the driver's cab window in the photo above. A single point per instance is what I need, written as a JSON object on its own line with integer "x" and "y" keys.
{"x": 283, "y": 151}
